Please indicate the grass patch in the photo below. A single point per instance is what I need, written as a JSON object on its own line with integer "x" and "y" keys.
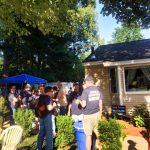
{"x": 28, "y": 143}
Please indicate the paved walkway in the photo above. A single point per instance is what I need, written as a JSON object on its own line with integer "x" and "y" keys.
{"x": 135, "y": 143}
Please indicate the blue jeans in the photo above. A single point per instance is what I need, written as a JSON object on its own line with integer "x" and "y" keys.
{"x": 53, "y": 125}
{"x": 13, "y": 111}
{"x": 45, "y": 131}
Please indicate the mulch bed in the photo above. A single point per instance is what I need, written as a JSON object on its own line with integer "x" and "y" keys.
{"x": 132, "y": 130}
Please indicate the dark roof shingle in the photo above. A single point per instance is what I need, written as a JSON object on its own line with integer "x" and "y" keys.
{"x": 121, "y": 52}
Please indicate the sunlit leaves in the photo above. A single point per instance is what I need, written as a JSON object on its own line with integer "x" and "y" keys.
{"x": 126, "y": 34}
{"x": 128, "y": 11}
{"x": 49, "y": 16}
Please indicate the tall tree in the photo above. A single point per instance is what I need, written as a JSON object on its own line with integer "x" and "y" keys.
{"x": 41, "y": 31}
{"x": 126, "y": 33}
{"x": 45, "y": 56}
{"x": 128, "y": 11}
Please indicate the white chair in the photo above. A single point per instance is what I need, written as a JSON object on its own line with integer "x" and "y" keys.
{"x": 11, "y": 137}
{"x": 1, "y": 131}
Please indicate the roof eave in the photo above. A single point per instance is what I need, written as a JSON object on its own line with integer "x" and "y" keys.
{"x": 128, "y": 62}
{"x": 117, "y": 63}
{"x": 93, "y": 63}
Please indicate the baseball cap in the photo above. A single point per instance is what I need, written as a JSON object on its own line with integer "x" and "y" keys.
{"x": 88, "y": 78}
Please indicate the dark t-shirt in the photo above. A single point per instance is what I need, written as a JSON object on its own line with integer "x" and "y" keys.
{"x": 74, "y": 95}
{"x": 75, "y": 109}
{"x": 92, "y": 95}
{"x": 25, "y": 95}
{"x": 45, "y": 100}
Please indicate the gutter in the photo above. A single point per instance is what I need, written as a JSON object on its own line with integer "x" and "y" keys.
{"x": 128, "y": 62}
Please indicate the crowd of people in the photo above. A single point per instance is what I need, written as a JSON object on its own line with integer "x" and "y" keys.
{"x": 83, "y": 105}
{"x": 23, "y": 98}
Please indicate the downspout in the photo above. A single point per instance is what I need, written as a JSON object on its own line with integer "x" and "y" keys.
{"x": 120, "y": 90}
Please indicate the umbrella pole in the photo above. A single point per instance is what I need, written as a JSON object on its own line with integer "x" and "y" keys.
{"x": 22, "y": 86}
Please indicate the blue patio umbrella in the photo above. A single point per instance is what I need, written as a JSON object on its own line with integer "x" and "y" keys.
{"x": 24, "y": 78}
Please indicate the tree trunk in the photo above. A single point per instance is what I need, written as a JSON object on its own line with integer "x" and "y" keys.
{"x": 5, "y": 64}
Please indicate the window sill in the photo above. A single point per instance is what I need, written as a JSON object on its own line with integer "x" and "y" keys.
{"x": 137, "y": 92}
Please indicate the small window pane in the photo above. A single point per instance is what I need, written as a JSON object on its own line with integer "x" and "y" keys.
{"x": 113, "y": 83}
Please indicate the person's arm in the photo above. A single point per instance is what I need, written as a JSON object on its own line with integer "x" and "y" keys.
{"x": 69, "y": 109}
{"x": 81, "y": 102}
{"x": 14, "y": 100}
{"x": 51, "y": 106}
{"x": 82, "y": 99}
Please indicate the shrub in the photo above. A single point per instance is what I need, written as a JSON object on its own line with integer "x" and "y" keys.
{"x": 141, "y": 110}
{"x": 65, "y": 131}
{"x": 3, "y": 109}
{"x": 25, "y": 119}
{"x": 139, "y": 121}
{"x": 114, "y": 146}
{"x": 139, "y": 116}
{"x": 110, "y": 133}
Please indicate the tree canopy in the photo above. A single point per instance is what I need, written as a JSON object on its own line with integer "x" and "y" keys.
{"x": 128, "y": 11}
{"x": 126, "y": 33}
{"x": 38, "y": 35}
{"x": 45, "y": 56}
{"x": 49, "y": 16}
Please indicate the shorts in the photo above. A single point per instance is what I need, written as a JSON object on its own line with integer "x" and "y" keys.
{"x": 90, "y": 123}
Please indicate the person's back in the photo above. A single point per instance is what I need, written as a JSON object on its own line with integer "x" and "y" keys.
{"x": 92, "y": 100}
